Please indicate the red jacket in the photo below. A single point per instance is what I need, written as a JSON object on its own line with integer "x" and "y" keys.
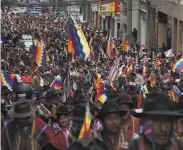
{"x": 27, "y": 79}
{"x": 61, "y": 141}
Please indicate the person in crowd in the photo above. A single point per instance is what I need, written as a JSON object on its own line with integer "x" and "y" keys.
{"x": 137, "y": 71}
{"x": 62, "y": 117}
{"x": 112, "y": 134}
{"x": 88, "y": 144}
{"x": 128, "y": 121}
{"x": 24, "y": 130}
{"x": 158, "y": 118}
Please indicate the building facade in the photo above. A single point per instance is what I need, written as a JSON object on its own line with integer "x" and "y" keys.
{"x": 170, "y": 23}
{"x": 117, "y": 22}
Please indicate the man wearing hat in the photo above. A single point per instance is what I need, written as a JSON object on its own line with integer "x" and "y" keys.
{"x": 112, "y": 135}
{"x": 78, "y": 115}
{"x": 24, "y": 131}
{"x": 158, "y": 117}
{"x": 49, "y": 107}
{"x": 129, "y": 123}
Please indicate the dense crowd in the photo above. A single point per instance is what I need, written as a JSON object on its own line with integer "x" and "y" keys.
{"x": 130, "y": 100}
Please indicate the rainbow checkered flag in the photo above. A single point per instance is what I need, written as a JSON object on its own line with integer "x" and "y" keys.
{"x": 110, "y": 46}
{"x": 57, "y": 83}
{"x": 178, "y": 66}
{"x": 100, "y": 88}
{"x": 77, "y": 43}
{"x": 7, "y": 80}
{"x": 169, "y": 53}
{"x": 40, "y": 55}
{"x": 85, "y": 130}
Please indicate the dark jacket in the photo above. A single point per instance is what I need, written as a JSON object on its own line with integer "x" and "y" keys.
{"x": 10, "y": 131}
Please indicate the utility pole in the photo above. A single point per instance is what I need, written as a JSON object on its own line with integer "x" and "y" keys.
{"x": 54, "y": 5}
{"x": 121, "y": 23}
{"x": 129, "y": 16}
{"x": 111, "y": 25}
{"x": 27, "y": 5}
{"x": 156, "y": 22}
{"x": 147, "y": 24}
{"x": 84, "y": 11}
{"x": 129, "y": 36}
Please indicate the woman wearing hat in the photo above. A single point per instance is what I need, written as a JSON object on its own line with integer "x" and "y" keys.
{"x": 158, "y": 118}
{"x": 62, "y": 117}
{"x": 61, "y": 140}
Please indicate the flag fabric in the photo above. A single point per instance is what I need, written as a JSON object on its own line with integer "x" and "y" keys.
{"x": 92, "y": 55}
{"x": 100, "y": 89}
{"x": 90, "y": 99}
{"x": 145, "y": 89}
{"x": 173, "y": 96}
{"x": 85, "y": 130}
{"x": 169, "y": 53}
{"x": 177, "y": 91}
{"x": 40, "y": 55}
{"x": 90, "y": 78}
{"x": 113, "y": 74}
{"x": 144, "y": 69}
{"x": 129, "y": 69}
{"x": 42, "y": 83}
{"x": 57, "y": 83}
{"x": 156, "y": 62}
{"x": 152, "y": 80}
{"x": 125, "y": 46}
{"x": 110, "y": 46}
{"x": 140, "y": 99}
{"x": 7, "y": 80}
{"x": 122, "y": 71}
{"x": 178, "y": 66}
{"x": 77, "y": 43}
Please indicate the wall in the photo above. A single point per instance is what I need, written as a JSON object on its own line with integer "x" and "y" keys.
{"x": 172, "y": 9}
{"x": 142, "y": 30}
{"x": 162, "y": 34}
{"x": 181, "y": 37}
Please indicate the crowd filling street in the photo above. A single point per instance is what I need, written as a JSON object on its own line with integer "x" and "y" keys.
{"x": 67, "y": 85}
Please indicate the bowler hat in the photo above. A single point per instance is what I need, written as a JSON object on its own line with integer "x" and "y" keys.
{"x": 78, "y": 113}
{"x": 79, "y": 99}
{"x": 62, "y": 110}
{"x": 124, "y": 99}
{"x": 21, "y": 109}
{"x": 110, "y": 107}
{"x": 157, "y": 104}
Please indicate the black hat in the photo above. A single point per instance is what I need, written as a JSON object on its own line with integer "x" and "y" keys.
{"x": 109, "y": 107}
{"x": 23, "y": 90}
{"x": 21, "y": 109}
{"x": 62, "y": 110}
{"x": 78, "y": 113}
{"x": 130, "y": 89}
{"x": 157, "y": 104}
{"x": 79, "y": 99}
{"x": 124, "y": 99}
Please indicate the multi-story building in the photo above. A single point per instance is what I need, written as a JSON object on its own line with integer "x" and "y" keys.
{"x": 170, "y": 24}
{"x": 145, "y": 13}
{"x": 118, "y": 22}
